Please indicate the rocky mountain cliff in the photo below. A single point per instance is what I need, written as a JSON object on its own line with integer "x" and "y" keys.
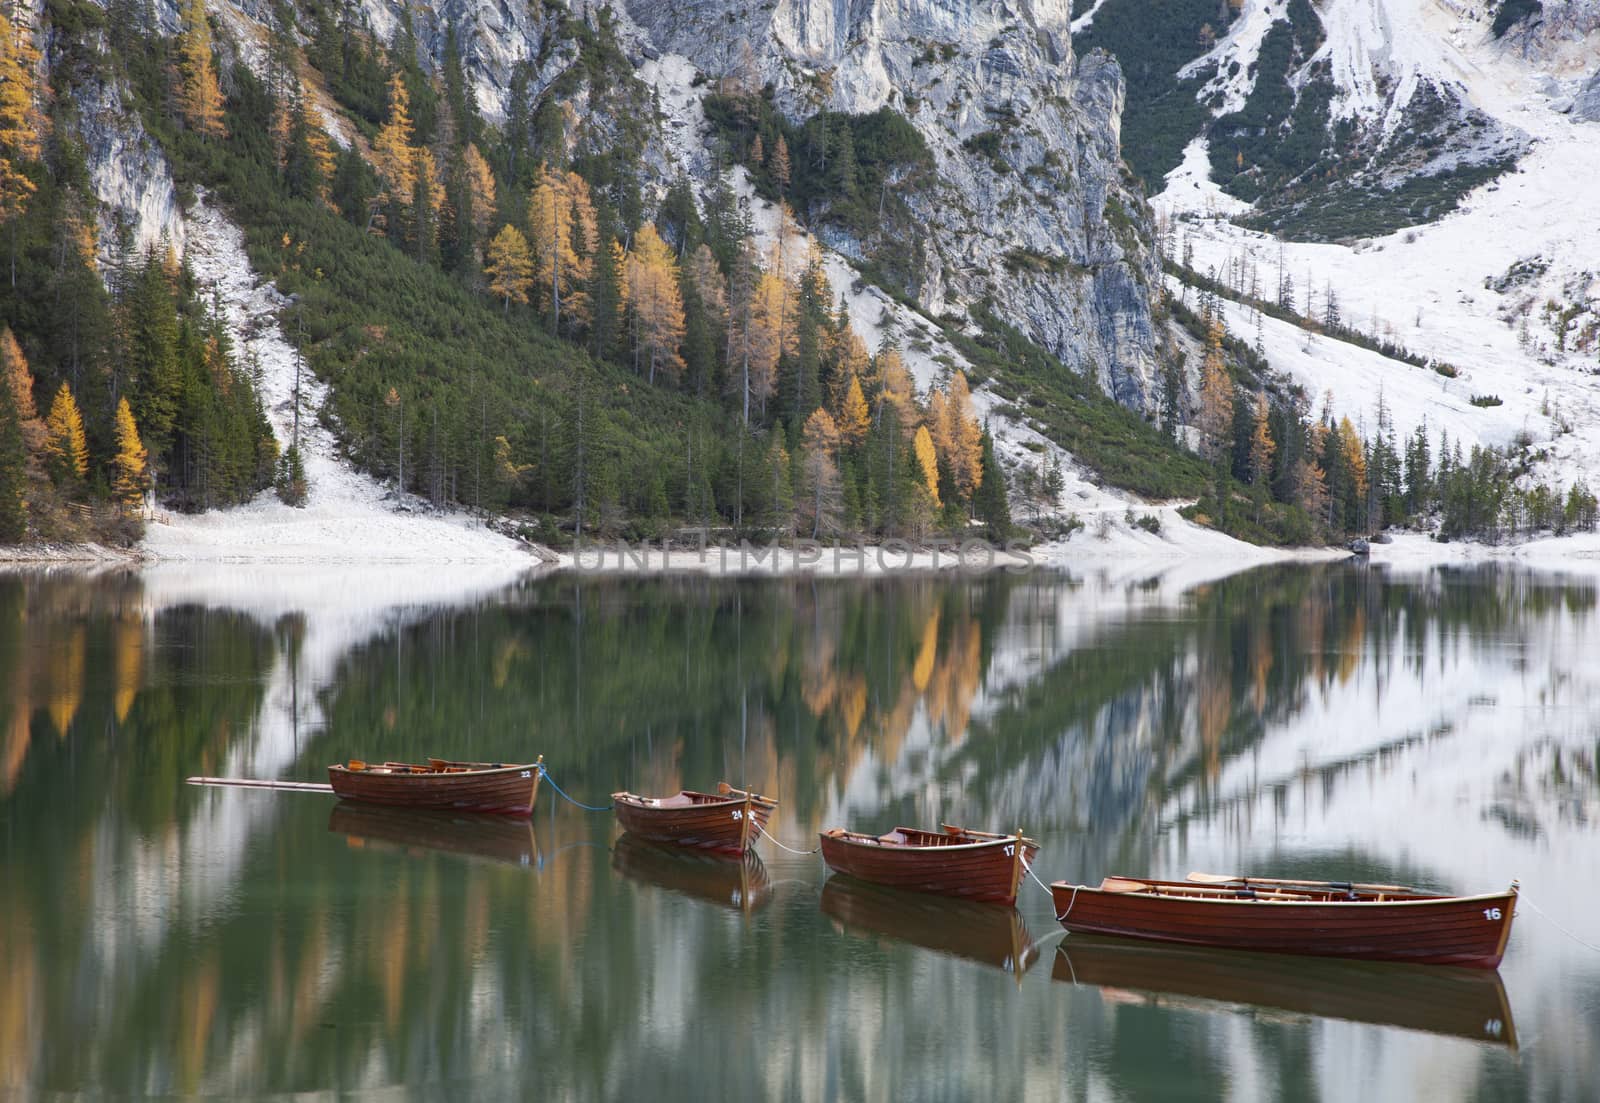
{"x": 1029, "y": 211}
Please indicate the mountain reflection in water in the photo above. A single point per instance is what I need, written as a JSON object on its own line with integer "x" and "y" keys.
{"x": 164, "y": 940}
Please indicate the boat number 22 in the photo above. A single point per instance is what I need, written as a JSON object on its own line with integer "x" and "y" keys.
{"x": 1491, "y": 914}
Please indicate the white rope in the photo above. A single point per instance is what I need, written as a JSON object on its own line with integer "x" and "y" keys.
{"x": 1523, "y": 899}
{"x": 1035, "y": 877}
{"x": 1062, "y": 918}
{"x": 790, "y": 849}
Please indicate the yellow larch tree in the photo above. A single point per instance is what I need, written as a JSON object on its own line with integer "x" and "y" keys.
{"x": 480, "y": 182}
{"x": 1354, "y": 456}
{"x": 393, "y": 154}
{"x": 651, "y": 276}
{"x": 129, "y": 478}
{"x": 927, "y": 462}
{"x": 765, "y": 335}
{"x": 853, "y": 418}
{"x": 1216, "y": 397}
{"x": 564, "y": 236}
{"x": 66, "y": 451}
{"x": 19, "y": 121}
{"x": 14, "y": 373}
{"x": 1262, "y": 447}
{"x": 895, "y": 392}
{"x": 199, "y": 95}
{"x": 961, "y": 438}
{"x": 510, "y": 267}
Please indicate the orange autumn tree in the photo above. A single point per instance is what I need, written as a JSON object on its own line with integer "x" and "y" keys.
{"x": 66, "y": 452}
{"x": 959, "y": 437}
{"x": 651, "y": 276}
{"x": 853, "y": 418}
{"x": 14, "y": 374}
{"x": 510, "y": 267}
{"x": 563, "y": 233}
{"x": 393, "y": 154}
{"x": 19, "y": 121}
{"x": 1216, "y": 397}
{"x": 129, "y": 477}
{"x": 199, "y": 95}
{"x": 927, "y": 462}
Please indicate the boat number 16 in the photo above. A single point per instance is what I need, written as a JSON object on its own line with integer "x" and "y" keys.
{"x": 1491, "y": 914}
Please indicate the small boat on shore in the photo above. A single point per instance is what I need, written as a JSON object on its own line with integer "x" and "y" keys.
{"x": 727, "y": 821}
{"x": 493, "y": 787}
{"x": 970, "y": 865}
{"x": 1317, "y": 918}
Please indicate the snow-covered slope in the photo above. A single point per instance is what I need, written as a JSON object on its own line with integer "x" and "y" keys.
{"x": 1471, "y": 288}
{"x": 348, "y": 516}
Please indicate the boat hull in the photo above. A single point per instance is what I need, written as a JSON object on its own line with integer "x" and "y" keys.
{"x": 505, "y": 790}
{"x": 1470, "y": 931}
{"x": 985, "y": 871}
{"x": 724, "y": 826}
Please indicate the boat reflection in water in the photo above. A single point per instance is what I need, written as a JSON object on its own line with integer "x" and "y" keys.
{"x": 493, "y": 838}
{"x": 983, "y": 933}
{"x": 1464, "y": 1003}
{"x": 734, "y": 881}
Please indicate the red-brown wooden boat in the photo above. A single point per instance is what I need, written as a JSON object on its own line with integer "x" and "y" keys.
{"x": 1320, "y": 918}
{"x": 972, "y": 865}
{"x": 460, "y": 786}
{"x": 725, "y": 821}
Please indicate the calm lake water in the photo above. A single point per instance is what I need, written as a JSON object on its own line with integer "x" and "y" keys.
{"x": 160, "y": 940}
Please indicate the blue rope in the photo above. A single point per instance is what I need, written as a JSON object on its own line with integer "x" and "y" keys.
{"x": 586, "y": 807}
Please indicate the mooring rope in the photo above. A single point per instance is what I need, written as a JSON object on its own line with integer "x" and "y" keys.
{"x": 1035, "y": 877}
{"x": 1523, "y": 899}
{"x": 563, "y": 793}
{"x": 1062, "y": 918}
{"x": 790, "y": 849}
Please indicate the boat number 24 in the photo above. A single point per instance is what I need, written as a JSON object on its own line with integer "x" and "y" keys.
{"x": 1491, "y": 914}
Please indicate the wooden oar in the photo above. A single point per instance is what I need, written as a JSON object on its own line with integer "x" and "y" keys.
{"x": 261, "y": 783}
{"x": 1228, "y": 878}
{"x": 1202, "y": 892}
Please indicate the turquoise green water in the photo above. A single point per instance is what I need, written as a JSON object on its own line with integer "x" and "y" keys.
{"x": 160, "y": 940}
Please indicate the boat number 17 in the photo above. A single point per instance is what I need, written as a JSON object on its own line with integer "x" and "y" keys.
{"x": 1491, "y": 914}
{"x": 1011, "y": 849}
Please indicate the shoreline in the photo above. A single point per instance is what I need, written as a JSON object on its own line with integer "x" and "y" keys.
{"x": 1407, "y": 551}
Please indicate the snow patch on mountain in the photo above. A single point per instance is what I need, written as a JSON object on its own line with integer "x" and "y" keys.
{"x": 349, "y": 516}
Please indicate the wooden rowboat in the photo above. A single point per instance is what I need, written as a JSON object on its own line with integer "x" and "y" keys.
{"x": 726, "y": 821}
{"x": 1463, "y": 1003}
{"x": 972, "y": 865}
{"x": 1319, "y": 918}
{"x": 459, "y": 786}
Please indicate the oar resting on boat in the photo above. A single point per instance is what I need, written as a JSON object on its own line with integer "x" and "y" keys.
{"x": 1341, "y": 886}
